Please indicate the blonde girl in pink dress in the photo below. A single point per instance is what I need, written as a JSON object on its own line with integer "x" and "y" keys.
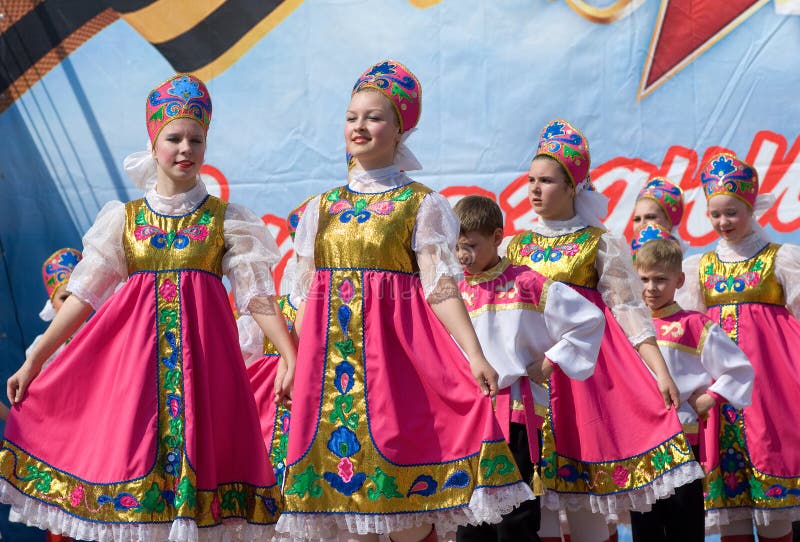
{"x": 144, "y": 427}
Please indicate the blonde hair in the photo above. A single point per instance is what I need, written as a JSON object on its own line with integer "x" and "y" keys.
{"x": 478, "y": 213}
{"x": 658, "y": 253}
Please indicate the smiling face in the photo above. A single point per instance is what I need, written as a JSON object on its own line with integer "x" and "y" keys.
{"x": 371, "y": 129}
{"x": 549, "y": 191}
{"x": 179, "y": 152}
{"x": 730, "y": 217}
{"x": 647, "y": 210}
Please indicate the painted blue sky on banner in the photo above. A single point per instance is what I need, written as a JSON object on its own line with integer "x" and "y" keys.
{"x": 492, "y": 74}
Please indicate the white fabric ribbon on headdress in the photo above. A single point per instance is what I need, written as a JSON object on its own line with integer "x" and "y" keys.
{"x": 590, "y": 205}
{"x": 762, "y": 204}
{"x": 403, "y": 157}
{"x": 48, "y": 312}
{"x": 141, "y": 168}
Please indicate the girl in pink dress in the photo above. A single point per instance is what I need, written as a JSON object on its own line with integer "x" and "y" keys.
{"x": 612, "y": 442}
{"x": 390, "y": 433}
{"x": 751, "y": 288}
{"x": 144, "y": 427}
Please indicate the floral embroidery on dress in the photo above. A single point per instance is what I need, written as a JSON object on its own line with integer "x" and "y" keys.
{"x": 171, "y": 239}
{"x": 539, "y": 253}
{"x": 730, "y": 283}
{"x": 361, "y": 210}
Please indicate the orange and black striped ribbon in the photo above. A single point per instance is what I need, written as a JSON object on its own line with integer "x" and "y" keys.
{"x": 204, "y": 37}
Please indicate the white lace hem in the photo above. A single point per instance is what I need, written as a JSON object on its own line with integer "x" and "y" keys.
{"x": 723, "y": 516}
{"x": 37, "y": 514}
{"x": 641, "y": 499}
{"x": 487, "y": 505}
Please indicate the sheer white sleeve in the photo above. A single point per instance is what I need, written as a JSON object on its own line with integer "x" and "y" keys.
{"x": 620, "y": 287}
{"x": 304, "y": 240}
{"x": 104, "y": 264}
{"x": 250, "y": 253}
{"x": 732, "y": 371}
{"x": 690, "y": 295}
{"x": 251, "y": 339}
{"x": 434, "y": 242}
{"x": 576, "y": 327}
{"x": 787, "y": 271}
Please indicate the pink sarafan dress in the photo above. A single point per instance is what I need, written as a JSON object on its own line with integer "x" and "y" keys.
{"x": 144, "y": 427}
{"x": 262, "y": 359}
{"x": 752, "y": 290}
{"x": 389, "y": 429}
{"x": 609, "y": 443}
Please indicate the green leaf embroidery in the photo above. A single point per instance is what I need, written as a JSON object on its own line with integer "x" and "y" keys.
{"x": 384, "y": 485}
{"x": 333, "y": 196}
{"x": 306, "y": 483}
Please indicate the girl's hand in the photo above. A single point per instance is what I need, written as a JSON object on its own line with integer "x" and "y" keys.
{"x": 18, "y": 383}
{"x": 669, "y": 391}
{"x": 702, "y": 403}
{"x": 540, "y": 372}
{"x": 284, "y": 381}
{"x": 484, "y": 374}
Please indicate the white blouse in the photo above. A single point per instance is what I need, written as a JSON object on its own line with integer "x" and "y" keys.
{"x": 250, "y": 250}
{"x": 618, "y": 284}
{"x": 433, "y": 240}
{"x": 787, "y": 271}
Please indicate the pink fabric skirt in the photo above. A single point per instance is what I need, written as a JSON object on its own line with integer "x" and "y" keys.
{"x": 274, "y": 419}
{"x": 389, "y": 428}
{"x": 753, "y": 455}
{"x": 94, "y": 424}
{"x": 610, "y": 444}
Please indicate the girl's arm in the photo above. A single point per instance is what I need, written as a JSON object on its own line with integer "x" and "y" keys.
{"x": 269, "y": 318}
{"x": 70, "y": 317}
{"x": 787, "y": 271}
{"x": 446, "y": 302}
{"x": 648, "y": 350}
{"x": 250, "y": 253}
{"x": 690, "y": 295}
{"x": 620, "y": 287}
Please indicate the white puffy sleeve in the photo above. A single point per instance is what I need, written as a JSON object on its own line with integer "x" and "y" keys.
{"x": 690, "y": 295}
{"x": 250, "y": 253}
{"x": 787, "y": 271}
{"x": 251, "y": 339}
{"x": 620, "y": 287}
{"x": 104, "y": 264}
{"x": 304, "y": 240}
{"x": 576, "y": 327}
{"x": 434, "y": 241}
{"x": 729, "y": 366}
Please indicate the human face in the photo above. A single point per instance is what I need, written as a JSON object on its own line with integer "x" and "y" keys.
{"x": 659, "y": 285}
{"x": 179, "y": 152}
{"x": 477, "y": 252}
{"x": 549, "y": 191}
{"x": 59, "y": 297}
{"x": 647, "y": 210}
{"x": 730, "y": 217}
{"x": 371, "y": 130}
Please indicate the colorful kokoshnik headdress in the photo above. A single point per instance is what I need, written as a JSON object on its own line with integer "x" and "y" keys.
{"x": 650, "y": 232}
{"x": 399, "y": 85}
{"x": 57, "y": 269}
{"x": 667, "y": 195}
{"x": 726, "y": 175}
{"x": 182, "y": 96}
{"x": 564, "y": 143}
{"x": 568, "y": 146}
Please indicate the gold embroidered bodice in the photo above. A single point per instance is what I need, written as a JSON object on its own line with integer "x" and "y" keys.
{"x": 567, "y": 258}
{"x": 156, "y": 242}
{"x": 369, "y": 231}
{"x": 749, "y": 281}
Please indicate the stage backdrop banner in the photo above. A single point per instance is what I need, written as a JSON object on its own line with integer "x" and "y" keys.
{"x": 656, "y": 86}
